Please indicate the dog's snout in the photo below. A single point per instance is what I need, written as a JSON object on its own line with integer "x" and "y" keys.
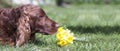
{"x": 57, "y": 25}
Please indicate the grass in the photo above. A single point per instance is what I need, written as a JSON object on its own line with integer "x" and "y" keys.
{"x": 97, "y": 27}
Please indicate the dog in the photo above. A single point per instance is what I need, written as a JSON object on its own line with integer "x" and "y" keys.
{"x": 18, "y": 25}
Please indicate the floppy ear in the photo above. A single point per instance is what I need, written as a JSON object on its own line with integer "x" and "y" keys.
{"x": 23, "y": 29}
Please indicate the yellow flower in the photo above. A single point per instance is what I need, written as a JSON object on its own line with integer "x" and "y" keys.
{"x": 62, "y": 43}
{"x": 64, "y": 37}
{"x": 60, "y": 29}
{"x": 70, "y": 39}
{"x": 59, "y": 36}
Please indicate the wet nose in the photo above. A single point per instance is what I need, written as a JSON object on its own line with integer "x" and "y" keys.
{"x": 57, "y": 25}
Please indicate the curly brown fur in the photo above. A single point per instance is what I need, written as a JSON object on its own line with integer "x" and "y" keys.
{"x": 18, "y": 25}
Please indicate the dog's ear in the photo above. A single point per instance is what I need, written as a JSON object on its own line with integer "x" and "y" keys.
{"x": 23, "y": 28}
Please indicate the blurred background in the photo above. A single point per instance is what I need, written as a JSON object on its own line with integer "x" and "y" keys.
{"x": 10, "y": 3}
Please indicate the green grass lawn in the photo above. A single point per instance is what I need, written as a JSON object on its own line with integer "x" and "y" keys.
{"x": 96, "y": 26}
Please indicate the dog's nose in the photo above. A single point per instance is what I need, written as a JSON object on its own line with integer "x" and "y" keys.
{"x": 57, "y": 25}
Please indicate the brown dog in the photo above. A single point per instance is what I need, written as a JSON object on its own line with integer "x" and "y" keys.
{"x": 18, "y": 25}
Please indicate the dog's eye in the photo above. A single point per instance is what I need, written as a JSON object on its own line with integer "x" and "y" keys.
{"x": 41, "y": 16}
{"x": 38, "y": 16}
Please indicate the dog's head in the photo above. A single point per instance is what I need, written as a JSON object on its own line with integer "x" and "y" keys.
{"x": 39, "y": 21}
